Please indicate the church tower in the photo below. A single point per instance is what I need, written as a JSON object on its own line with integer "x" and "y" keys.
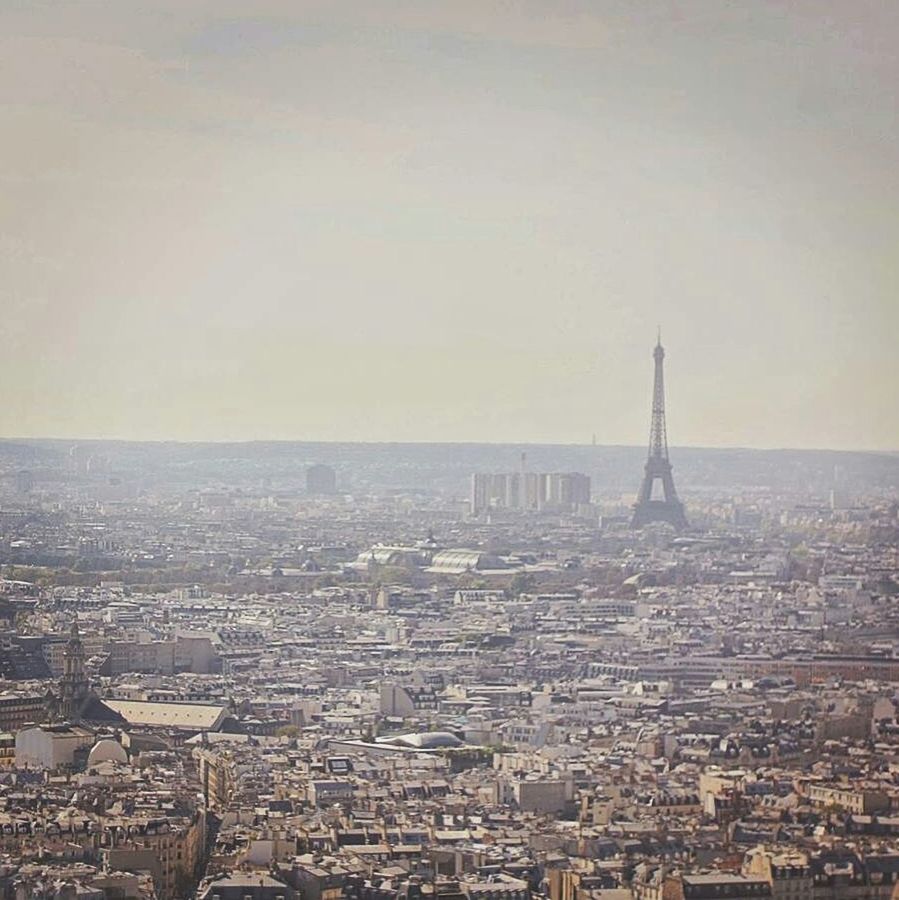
{"x": 73, "y": 686}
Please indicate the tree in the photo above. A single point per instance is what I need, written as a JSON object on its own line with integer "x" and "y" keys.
{"x": 521, "y": 583}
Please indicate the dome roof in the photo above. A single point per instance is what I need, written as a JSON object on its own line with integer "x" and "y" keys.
{"x": 107, "y": 750}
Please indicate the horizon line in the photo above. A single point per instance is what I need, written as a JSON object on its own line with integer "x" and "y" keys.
{"x": 470, "y": 443}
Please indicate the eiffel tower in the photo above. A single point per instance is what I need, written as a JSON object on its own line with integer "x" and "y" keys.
{"x": 658, "y": 467}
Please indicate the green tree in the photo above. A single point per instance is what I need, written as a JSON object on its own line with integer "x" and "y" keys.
{"x": 521, "y": 583}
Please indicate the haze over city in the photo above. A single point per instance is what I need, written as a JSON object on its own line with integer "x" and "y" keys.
{"x": 450, "y": 221}
{"x": 449, "y": 450}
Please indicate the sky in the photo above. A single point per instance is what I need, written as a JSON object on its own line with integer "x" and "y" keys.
{"x": 450, "y": 221}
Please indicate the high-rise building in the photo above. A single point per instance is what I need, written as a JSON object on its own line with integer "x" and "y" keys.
{"x": 321, "y": 480}
{"x": 528, "y": 491}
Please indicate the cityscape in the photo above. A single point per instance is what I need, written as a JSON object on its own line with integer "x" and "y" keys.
{"x": 298, "y": 671}
{"x": 449, "y": 450}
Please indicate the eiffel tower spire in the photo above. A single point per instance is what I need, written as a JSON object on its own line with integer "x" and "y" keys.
{"x": 658, "y": 466}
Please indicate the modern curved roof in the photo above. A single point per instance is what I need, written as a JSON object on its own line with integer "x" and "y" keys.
{"x": 428, "y": 740}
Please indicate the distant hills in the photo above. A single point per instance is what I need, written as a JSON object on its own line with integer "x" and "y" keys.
{"x": 442, "y": 467}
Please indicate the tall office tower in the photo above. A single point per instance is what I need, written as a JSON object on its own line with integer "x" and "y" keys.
{"x": 528, "y": 491}
{"x": 668, "y": 508}
{"x": 321, "y": 480}
{"x": 493, "y": 490}
{"x": 568, "y": 489}
{"x": 480, "y": 492}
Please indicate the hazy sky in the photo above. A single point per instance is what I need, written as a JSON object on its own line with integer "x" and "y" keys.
{"x": 450, "y": 221}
